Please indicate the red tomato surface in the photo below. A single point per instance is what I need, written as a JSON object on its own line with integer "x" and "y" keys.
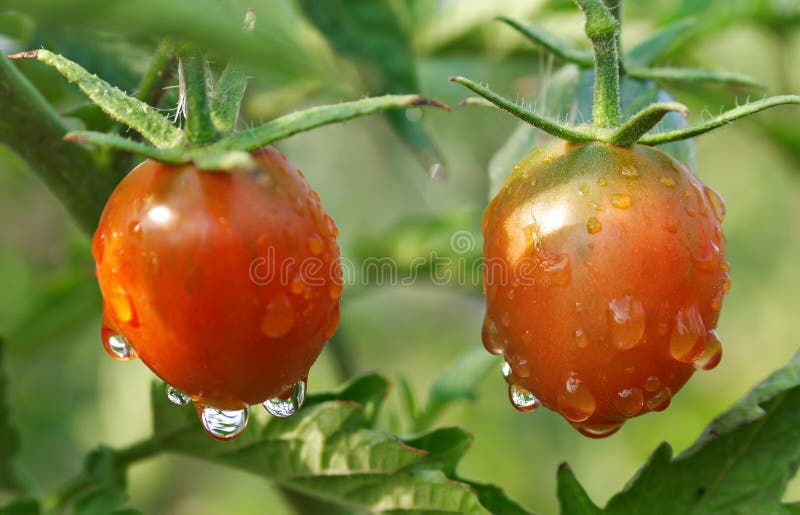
{"x": 227, "y": 285}
{"x": 604, "y": 278}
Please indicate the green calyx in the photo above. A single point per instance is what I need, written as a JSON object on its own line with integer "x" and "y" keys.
{"x": 602, "y": 28}
{"x": 208, "y": 139}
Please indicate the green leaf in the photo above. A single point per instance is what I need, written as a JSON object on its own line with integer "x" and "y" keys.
{"x": 457, "y": 383}
{"x": 116, "y": 103}
{"x": 658, "y": 44}
{"x": 445, "y": 448}
{"x": 21, "y": 507}
{"x": 571, "y": 496}
{"x": 9, "y": 437}
{"x": 330, "y": 450}
{"x": 495, "y": 500}
{"x": 741, "y": 463}
{"x": 314, "y": 117}
{"x": 370, "y": 33}
{"x": 102, "y": 501}
{"x": 552, "y": 43}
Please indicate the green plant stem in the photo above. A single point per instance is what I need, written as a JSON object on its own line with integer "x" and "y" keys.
{"x": 158, "y": 74}
{"x": 603, "y": 29}
{"x": 67, "y": 169}
{"x": 194, "y": 90}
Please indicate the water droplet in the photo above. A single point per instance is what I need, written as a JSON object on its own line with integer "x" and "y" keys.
{"x": 505, "y": 319}
{"x": 332, "y": 323}
{"x": 583, "y": 190}
{"x": 316, "y": 245}
{"x": 555, "y": 269}
{"x": 671, "y": 225}
{"x": 621, "y": 200}
{"x": 666, "y": 181}
{"x": 331, "y": 226}
{"x": 712, "y": 354}
{"x": 135, "y": 228}
{"x": 176, "y": 396}
{"x": 652, "y": 383}
{"x": 522, "y": 399}
{"x": 598, "y": 431}
{"x": 491, "y": 337}
{"x": 121, "y": 305}
{"x": 505, "y": 369}
{"x": 581, "y": 340}
{"x": 335, "y": 290}
{"x": 688, "y": 335}
{"x": 602, "y": 181}
{"x": 298, "y": 285}
{"x": 593, "y": 225}
{"x": 626, "y": 322}
{"x": 118, "y": 347}
{"x": 629, "y": 402}
{"x": 726, "y": 284}
{"x": 278, "y": 318}
{"x": 520, "y": 366}
{"x": 660, "y": 400}
{"x": 510, "y": 294}
{"x": 575, "y": 401}
{"x": 662, "y": 328}
{"x": 690, "y": 210}
{"x": 286, "y": 407}
{"x": 630, "y": 171}
{"x": 716, "y": 302}
{"x": 438, "y": 172}
{"x": 223, "y": 424}
{"x": 707, "y": 258}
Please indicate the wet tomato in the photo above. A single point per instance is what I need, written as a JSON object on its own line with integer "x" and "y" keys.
{"x": 604, "y": 277}
{"x": 226, "y": 285}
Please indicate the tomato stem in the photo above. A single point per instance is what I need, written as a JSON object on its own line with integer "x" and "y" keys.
{"x": 229, "y": 91}
{"x": 603, "y": 29}
{"x": 68, "y": 170}
{"x": 161, "y": 69}
{"x": 194, "y": 80}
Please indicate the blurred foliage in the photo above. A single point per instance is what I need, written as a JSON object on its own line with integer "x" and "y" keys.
{"x": 66, "y": 396}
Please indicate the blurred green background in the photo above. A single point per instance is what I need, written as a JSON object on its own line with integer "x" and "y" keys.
{"x": 68, "y": 396}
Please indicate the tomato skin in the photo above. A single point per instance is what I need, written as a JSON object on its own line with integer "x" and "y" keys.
{"x": 604, "y": 276}
{"x": 227, "y": 285}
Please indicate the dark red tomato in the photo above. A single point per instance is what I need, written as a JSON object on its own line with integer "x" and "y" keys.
{"x": 605, "y": 274}
{"x": 227, "y": 285}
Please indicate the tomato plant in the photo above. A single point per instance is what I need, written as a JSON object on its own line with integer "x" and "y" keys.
{"x": 599, "y": 274}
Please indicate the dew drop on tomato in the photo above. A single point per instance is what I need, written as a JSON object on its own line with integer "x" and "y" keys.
{"x": 717, "y": 205}
{"x": 621, "y": 200}
{"x": 575, "y": 400}
{"x": 522, "y": 399}
{"x": 491, "y": 337}
{"x": 593, "y": 225}
{"x": 660, "y": 400}
{"x": 581, "y": 340}
{"x": 288, "y": 405}
{"x": 278, "y": 318}
{"x": 652, "y": 383}
{"x": 315, "y": 245}
{"x": 118, "y": 347}
{"x": 176, "y": 396}
{"x": 626, "y": 322}
{"x": 688, "y": 335}
{"x": 223, "y": 424}
{"x": 629, "y": 402}
{"x": 712, "y": 354}
{"x": 599, "y": 431}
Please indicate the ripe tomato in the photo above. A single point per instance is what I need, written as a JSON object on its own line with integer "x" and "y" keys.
{"x": 227, "y": 285}
{"x": 604, "y": 277}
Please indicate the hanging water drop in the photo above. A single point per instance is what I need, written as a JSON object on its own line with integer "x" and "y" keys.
{"x": 118, "y": 347}
{"x": 287, "y": 407}
{"x": 223, "y": 424}
{"x": 522, "y": 399}
{"x": 627, "y": 320}
{"x": 176, "y": 396}
{"x": 598, "y": 431}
